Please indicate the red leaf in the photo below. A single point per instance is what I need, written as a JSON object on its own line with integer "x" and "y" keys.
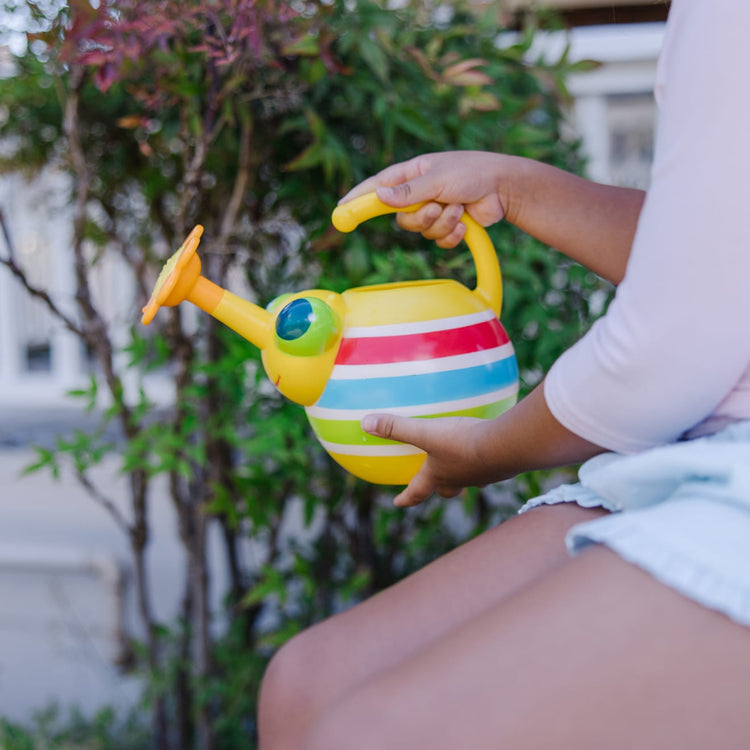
{"x": 105, "y": 77}
{"x": 95, "y": 57}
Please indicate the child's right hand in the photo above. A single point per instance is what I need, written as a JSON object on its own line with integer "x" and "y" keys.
{"x": 448, "y": 183}
{"x": 591, "y": 223}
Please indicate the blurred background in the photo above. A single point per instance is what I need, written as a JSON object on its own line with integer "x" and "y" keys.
{"x": 167, "y": 519}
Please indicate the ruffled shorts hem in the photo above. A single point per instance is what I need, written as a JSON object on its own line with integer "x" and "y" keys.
{"x": 680, "y": 512}
{"x": 701, "y": 565}
{"x": 568, "y": 493}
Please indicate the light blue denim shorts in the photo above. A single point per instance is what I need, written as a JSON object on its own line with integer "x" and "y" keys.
{"x": 680, "y": 512}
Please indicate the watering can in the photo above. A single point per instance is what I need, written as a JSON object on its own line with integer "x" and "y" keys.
{"x": 428, "y": 348}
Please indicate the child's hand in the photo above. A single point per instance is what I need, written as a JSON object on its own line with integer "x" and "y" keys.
{"x": 448, "y": 183}
{"x": 453, "y": 451}
{"x": 591, "y": 223}
{"x": 466, "y": 452}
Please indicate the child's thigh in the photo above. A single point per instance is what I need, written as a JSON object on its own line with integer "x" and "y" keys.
{"x": 321, "y": 664}
{"x": 597, "y": 654}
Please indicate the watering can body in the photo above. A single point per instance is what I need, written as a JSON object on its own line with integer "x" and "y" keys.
{"x": 420, "y": 349}
{"x": 452, "y": 357}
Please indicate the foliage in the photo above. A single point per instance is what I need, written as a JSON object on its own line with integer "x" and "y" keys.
{"x": 252, "y": 118}
{"x": 53, "y": 731}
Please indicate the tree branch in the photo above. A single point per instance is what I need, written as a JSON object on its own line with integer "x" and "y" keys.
{"x": 12, "y": 265}
{"x": 95, "y": 332}
{"x": 242, "y": 177}
{"x": 101, "y": 499}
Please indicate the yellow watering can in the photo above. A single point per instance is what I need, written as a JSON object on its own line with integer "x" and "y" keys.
{"x": 421, "y": 348}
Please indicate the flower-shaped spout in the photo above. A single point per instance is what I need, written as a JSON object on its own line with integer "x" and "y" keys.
{"x": 178, "y": 278}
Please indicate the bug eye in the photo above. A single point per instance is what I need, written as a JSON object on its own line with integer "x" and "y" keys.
{"x": 306, "y": 327}
{"x": 278, "y": 302}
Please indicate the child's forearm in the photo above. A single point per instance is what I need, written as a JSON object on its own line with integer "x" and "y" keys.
{"x": 591, "y": 223}
{"x": 529, "y": 437}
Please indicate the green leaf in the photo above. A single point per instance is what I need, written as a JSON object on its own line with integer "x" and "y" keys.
{"x": 45, "y": 459}
{"x": 306, "y": 45}
{"x": 414, "y": 122}
{"x": 375, "y": 59}
{"x": 311, "y": 157}
{"x": 88, "y": 395}
{"x": 271, "y": 584}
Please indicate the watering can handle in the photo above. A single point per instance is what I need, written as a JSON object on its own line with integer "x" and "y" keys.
{"x": 348, "y": 216}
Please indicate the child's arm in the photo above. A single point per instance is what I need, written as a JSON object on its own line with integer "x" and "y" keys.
{"x": 593, "y": 224}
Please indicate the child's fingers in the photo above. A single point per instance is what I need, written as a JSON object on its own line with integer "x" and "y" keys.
{"x": 435, "y": 222}
{"x": 417, "y": 491}
{"x": 422, "y": 220}
{"x": 452, "y": 239}
{"x": 438, "y": 222}
{"x": 449, "y": 491}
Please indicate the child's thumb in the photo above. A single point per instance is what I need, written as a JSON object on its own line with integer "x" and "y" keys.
{"x": 409, "y": 193}
{"x": 391, "y": 427}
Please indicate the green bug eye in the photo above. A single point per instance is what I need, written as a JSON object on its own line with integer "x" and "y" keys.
{"x": 306, "y": 327}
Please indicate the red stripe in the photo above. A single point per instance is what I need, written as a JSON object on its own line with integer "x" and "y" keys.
{"x": 419, "y": 346}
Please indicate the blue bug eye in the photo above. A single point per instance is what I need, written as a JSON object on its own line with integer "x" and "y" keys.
{"x": 306, "y": 327}
{"x": 294, "y": 320}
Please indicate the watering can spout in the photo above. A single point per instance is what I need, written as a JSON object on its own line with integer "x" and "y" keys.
{"x": 252, "y": 322}
{"x": 180, "y": 280}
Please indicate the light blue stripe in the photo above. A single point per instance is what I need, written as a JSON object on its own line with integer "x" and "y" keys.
{"x": 427, "y": 388}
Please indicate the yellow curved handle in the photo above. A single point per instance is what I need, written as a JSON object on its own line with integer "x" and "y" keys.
{"x": 348, "y": 216}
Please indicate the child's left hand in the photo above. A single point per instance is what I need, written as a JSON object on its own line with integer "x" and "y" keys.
{"x": 467, "y": 452}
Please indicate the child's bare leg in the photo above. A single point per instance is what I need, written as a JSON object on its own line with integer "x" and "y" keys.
{"x": 323, "y": 664}
{"x": 597, "y": 654}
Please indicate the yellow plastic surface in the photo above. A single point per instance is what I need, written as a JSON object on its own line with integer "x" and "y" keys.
{"x": 376, "y": 470}
{"x": 348, "y": 216}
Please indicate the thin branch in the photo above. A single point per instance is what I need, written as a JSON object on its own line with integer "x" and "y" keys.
{"x": 136, "y": 261}
{"x": 242, "y": 177}
{"x": 8, "y": 240}
{"x": 95, "y": 327}
{"x": 190, "y": 190}
{"x": 95, "y": 332}
{"x": 101, "y": 499}
{"x": 34, "y": 291}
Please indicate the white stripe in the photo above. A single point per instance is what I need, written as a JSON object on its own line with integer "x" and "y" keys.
{"x": 371, "y": 450}
{"x": 421, "y": 326}
{"x": 419, "y": 409}
{"x": 422, "y": 366}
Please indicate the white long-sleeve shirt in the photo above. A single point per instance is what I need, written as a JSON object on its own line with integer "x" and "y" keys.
{"x": 672, "y": 353}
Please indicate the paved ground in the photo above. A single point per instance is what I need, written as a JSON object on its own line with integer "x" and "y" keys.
{"x": 22, "y": 427}
{"x": 64, "y": 576}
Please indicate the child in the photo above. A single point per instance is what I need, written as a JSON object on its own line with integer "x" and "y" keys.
{"x": 613, "y": 613}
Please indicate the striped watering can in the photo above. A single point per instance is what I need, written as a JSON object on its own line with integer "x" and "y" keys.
{"x": 421, "y": 349}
